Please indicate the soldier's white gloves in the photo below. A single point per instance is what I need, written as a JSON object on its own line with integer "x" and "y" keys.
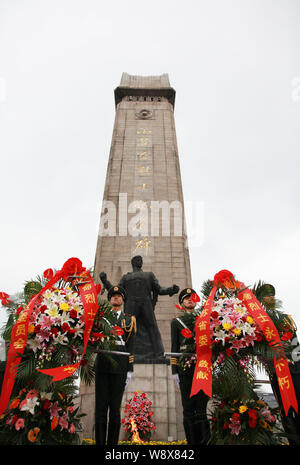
{"x": 129, "y": 374}
{"x": 176, "y": 379}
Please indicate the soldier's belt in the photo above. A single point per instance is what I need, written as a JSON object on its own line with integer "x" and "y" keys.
{"x": 116, "y": 352}
{"x": 176, "y": 354}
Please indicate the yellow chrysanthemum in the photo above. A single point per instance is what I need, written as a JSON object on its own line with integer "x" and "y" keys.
{"x": 237, "y": 331}
{"x": 250, "y": 319}
{"x": 226, "y": 326}
{"x": 243, "y": 408}
{"x": 63, "y": 306}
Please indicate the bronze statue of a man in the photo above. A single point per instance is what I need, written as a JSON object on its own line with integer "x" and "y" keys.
{"x": 142, "y": 289}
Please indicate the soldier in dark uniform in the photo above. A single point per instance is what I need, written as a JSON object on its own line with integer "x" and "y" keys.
{"x": 196, "y": 425}
{"x": 265, "y": 293}
{"x": 113, "y": 374}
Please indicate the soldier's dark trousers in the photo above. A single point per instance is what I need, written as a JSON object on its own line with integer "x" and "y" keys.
{"x": 196, "y": 425}
{"x": 108, "y": 397}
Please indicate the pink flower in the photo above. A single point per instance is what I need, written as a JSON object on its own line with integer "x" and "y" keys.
{"x": 267, "y": 415}
{"x": 19, "y": 424}
{"x": 238, "y": 344}
{"x": 72, "y": 429}
{"x": 235, "y": 427}
{"x": 46, "y": 322}
{"x": 44, "y": 334}
{"x": 63, "y": 421}
{"x": 249, "y": 340}
{"x": 54, "y": 409}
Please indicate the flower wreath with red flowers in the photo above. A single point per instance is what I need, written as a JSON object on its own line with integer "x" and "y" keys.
{"x": 138, "y": 409}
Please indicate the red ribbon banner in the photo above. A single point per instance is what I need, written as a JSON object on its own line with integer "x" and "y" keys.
{"x": 270, "y": 332}
{"x": 202, "y": 379}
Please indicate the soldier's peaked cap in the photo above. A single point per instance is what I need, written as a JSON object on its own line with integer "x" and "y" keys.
{"x": 265, "y": 290}
{"x": 185, "y": 293}
{"x": 116, "y": 290}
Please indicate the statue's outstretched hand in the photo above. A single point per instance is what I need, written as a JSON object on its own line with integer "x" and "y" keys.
{"x": 175, "y": 288}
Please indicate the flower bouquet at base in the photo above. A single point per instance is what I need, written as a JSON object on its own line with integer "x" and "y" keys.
{"x": 138, "y": 416}
{"x": 35, "y": 417}
{"x": 244, "y": 422}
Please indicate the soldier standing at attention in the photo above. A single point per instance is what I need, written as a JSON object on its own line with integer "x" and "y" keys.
{"x": 113, "y": 375}
{"x": 265, "y": 293}
{"x": 196, "y": 425}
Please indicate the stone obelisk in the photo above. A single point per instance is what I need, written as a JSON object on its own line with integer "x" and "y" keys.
{"x": 143, "y": 214}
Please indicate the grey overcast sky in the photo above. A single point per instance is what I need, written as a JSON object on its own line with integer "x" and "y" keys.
{"x": 235, "y": 66}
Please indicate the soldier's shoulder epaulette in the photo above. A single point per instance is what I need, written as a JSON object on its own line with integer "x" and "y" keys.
{"x": 290, "y": 322}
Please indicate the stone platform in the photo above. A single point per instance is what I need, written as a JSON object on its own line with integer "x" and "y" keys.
{"x": 157, "y": 382}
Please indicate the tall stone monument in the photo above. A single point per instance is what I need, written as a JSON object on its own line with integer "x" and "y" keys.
{"x": 143, "y": 214}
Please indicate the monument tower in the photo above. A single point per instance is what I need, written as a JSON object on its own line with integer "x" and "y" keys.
{"x": 143, "y": 214}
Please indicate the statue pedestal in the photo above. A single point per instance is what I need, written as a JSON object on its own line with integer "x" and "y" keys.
{"x": 157, "y": 382}
{"x": 155, "y": 379}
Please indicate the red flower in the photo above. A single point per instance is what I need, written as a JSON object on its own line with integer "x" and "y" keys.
{"x": 54, "y": 423}
{"x": 19, "y": 310}
{"x": 252, "y": 417}
{"x": 43, "y": 308}
{"x": 287, "y": 336}
{"x": 98, "y": 288}
{"x": 65, "y": 328}
{"x": 236, "y": 417}
{"x": 48, "y": 274}
{"x": 223, "y": 278}
{"x": 119, "y": 331}
{"x": 54, "y": 331}
{"x": 71, "y": 267}
{"x": 73, "y": 314}
{"x": 46, "y": 404}
{"x": 229, "y": 352}
{"x": 226, "y": 425}
{"x": 252, "y": 423}
{"x": 214, "y": 314}
{"x": 37, "y": 329}
{"x": 3, "y": 295}
{"x": 98, "y": 335}
{"x": 186, "y": 333}
{"x": 195, "y": 297}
